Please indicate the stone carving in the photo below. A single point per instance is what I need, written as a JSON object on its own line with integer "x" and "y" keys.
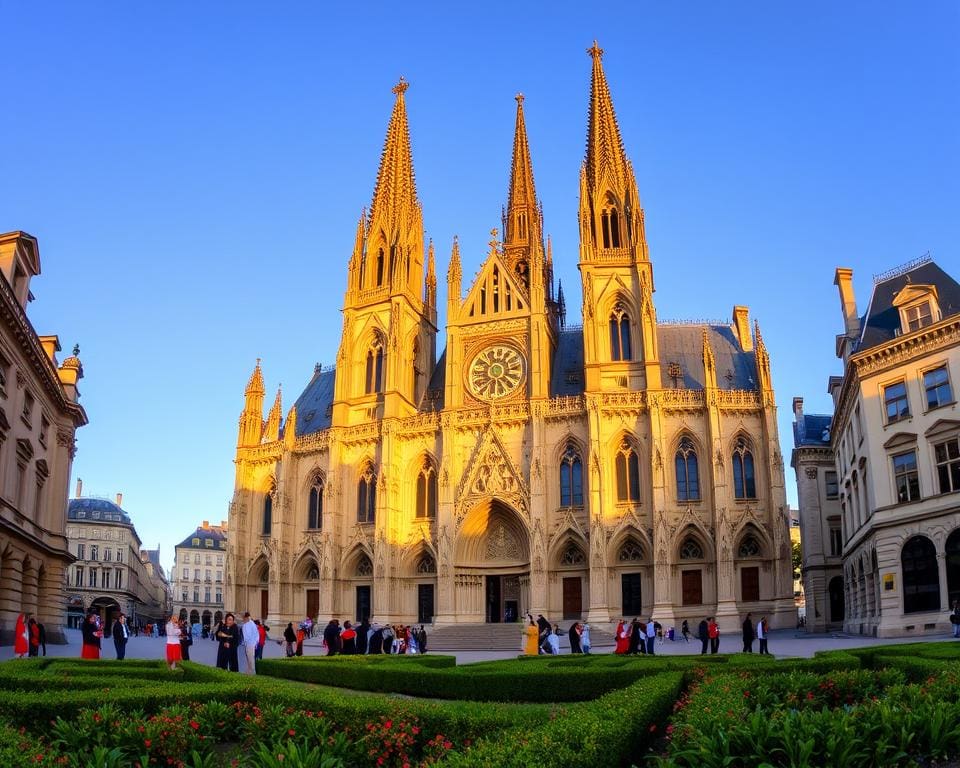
{"x": 491, "y": 473}
{"x": 811, "y": 473}
{"x": 503, "y": 545}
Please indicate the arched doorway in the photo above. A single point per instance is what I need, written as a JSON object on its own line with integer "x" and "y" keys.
{"x": 953, "y": 567}
{"x": 921, "y": 577}
{"x": 194, "y": 617}
{"x": 493, "y": 564}
{"x": 836, "y": 598}
{"x": 107, "y": 608}
{"x": 217, "y": 617}
{"x": 205, "y": 620}
{"x": 183, "y": 614}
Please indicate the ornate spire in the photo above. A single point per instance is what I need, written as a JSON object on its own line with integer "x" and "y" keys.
{"x": 605, "y": 151}
{"x": 522, "y": 220}
{"x": 763, "y": 359}
{"x": 430, "y": 285}
{"x": 255, "y": 384}
{"x": 272, "y": 430}
{"x": 709, "y": 364}
{"x": 395, "y": 192}
{"x": 454, "y": 273}
{"x": 251, "y": 419}
{"x": 561, "y": 305}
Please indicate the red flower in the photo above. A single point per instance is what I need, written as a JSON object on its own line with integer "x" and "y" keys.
{"x": 146, "y": 743}
{"x": 415, "y": 730}
{"x": 388, "y": 724}
{"x": 291, "y": 732}
{"x": 653, "y": 728}
{"x": 195, "y": 725}
{"x": 447, "y": 745}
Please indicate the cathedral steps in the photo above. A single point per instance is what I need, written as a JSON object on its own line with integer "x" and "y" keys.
{"x": 499, "y": 637}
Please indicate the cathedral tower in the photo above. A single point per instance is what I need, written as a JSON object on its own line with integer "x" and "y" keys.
{"x": 619, "y": 333}
{"x": 387, "y": 350}
{"x": 251, "y": 419}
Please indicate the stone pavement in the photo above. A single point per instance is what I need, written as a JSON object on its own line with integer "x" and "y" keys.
{"x": 783, "y": 643}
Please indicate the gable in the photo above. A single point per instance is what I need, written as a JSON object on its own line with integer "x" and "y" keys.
{"x": 495, "y": 293}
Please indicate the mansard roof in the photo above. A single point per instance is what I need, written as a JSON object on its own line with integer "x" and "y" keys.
{"x": 94, "y": 510}
{"x": 813, "y": 429}
{"x": 881, "y": 322}
{"x": 214, "y": 533}
{"x": 314, "y": 406}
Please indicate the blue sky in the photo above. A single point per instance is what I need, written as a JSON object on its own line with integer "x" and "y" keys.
{"x": 194, "y": 173}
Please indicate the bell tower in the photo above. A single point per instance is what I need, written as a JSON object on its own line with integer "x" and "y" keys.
{"x": 619, "y": 319}
{"x": 388, "y": 346}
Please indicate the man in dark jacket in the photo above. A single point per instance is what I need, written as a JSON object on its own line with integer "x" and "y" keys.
{"x": 362, "y": 631}
{"x": 704, "y": 634}
{"x": 748, "y": 635}
{"x": 331, "y": 636}
{"x": 120, "y": 636}
{"x": 543, "y": 628}
{"x": 574, "y": 639}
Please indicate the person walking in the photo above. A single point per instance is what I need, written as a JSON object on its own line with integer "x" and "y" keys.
{"x": 363, "y": 632}
{"x": 651, "y": 635}
{"x": 574, "y": 636}
{"x": 622, "y": 637}
{"x": 261, "y": 638}
{"x": 585, "y": 637}
{"x": 251, "y": 636}
{"x": 635, "y": 639}
{"x": 748, "y": 635}
{"x": 186, "y": 640}
{"x": 714, "y": 632}
{"x": 172, "y": 642}
{"x": 120, "y": 635}
{"x": 543, "y": 629}
{"x": 348, "y": 639}
{"x": 703, "y": 634}
{"x": 228, "y": 636}
{"x": 21, "y": 637}
{"x": 955, "y": 618}
{"x": 685, "y": 631}
{"x": 422, "y": 639}
{"x": 531, "y": 645}
{"x": 34, "y": 634}
{"x": 91, "y": 638}
{"x": 43, "y": 637}
{"x": 553, "y": 640}
{"x": 291, "y": 638}
{"x": 331, "y": 636}
{"x": 762, "y": 635}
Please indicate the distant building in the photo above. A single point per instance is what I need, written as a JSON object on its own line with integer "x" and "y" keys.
{"x": 39, "y": 415}
{"x": 891, "y": 499}
{"x": 160, "y": 588}
{"x": 198, "y": 575}
{"x": 110, "y": 573}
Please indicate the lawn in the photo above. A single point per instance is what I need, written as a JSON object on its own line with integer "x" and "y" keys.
{"x": 878, "y": 706}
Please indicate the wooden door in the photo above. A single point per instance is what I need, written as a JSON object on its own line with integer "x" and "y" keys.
{"x": 264, "y": 604}
{"x": 572, "y": 597}
{"x": 313, "y": 603}
{"x": 750, "y": 584}
{"x": 363, "y": 603}
{"x": 692, "y": 587}
{"x": 631, "y": 594}
{"x": 425, "y": 603}
{"x": 494, "y": 600}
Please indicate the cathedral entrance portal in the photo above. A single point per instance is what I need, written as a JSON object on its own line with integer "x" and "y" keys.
{"x": 492, "y": 565}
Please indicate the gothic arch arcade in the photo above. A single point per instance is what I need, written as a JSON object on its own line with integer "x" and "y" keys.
{"x": 492, "y": 573}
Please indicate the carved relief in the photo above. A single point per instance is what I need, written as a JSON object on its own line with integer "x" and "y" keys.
{"x": 503, "y": 545}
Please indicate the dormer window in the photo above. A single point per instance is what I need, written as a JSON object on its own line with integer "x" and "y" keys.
{"x": 919, "y": 316}
{"x": 918, "y": 305}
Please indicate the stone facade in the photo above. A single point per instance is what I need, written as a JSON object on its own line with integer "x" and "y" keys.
{"x": 39, "y": 415}
{"x": 111, "y": 573}
{"x": 625, "y": 467}
{"x": 895, "y": 445}
{"x": 198, "y": 575}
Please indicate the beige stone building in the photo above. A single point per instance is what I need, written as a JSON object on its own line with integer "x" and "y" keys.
{"x": 111, "y": 572}
{"x": 39, "y": 415}
{"x": 622, "y": 467}
{"x": 895, "y": 445}
{"x": 198, "y": 575}
{"x": 818, "y": 495}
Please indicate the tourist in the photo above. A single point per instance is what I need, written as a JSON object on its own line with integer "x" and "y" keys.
{"x": 422, "y": 639}
{"x": 634, "y": 647}
{"x": 553, "y": 640}
{"x": 413, "y": 645}
{"x": 120, "y": 635}
{"x": 261, "y": 638}
{"x": 331, "y": 637}
{"x": 43, "y": 637}
{"x": 186, "y": 640}
{"x": 301, "y": 636}
{"x": 387, "y": 642}
{"x": 375, "y": 641}
{"x": 714, "y": 632}
{"x": 574, "y": 636}
{"x": 251, "y": 636}
{"x": 399, "y": 639}
{"x": 651, "y": 635}
{"x": 762, "y": 629}
{"x": 747, "y": 635}
{"x": 585, "y": 638}
{"x": 33, "y": 633}
{"x": 703, "y": 633}
{"x": 308, "y": 627}
{"x": 544, "y": 630}
{"x": 91, "y": 638}
{"x": 685, "y": 631}
{"x": 173, "y": 643}
{"x": 531, "y": 646}
{"x": 348, "y": 639}
{"x": 291, "y": 638}
{"x": 363, "y": 636}
{"x": 955, "y": 618}
{"x": 622, "y": 636}
{"x": 228, "y": 636}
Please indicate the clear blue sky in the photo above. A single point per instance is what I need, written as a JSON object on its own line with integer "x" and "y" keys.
{"x": 194, "y": 173}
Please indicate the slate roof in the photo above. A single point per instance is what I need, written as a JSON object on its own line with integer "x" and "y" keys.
{"x": 215, "y": 534}
{"x": 811, "y": 430}
{"x": 314, "y": 406}
{"x": 683, "y": 344}
{"x": 881, "y": 322}
{"x": 89, "y": 509}
{"x": 568, "y": 364}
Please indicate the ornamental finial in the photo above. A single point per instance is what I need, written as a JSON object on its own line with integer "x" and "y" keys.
{"x": 401, "y": 86}
{"x": 519, "y": 98}
{"x": 595, "y": 51}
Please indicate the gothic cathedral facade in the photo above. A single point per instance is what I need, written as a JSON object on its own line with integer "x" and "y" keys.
{"x": 624, "y": 467}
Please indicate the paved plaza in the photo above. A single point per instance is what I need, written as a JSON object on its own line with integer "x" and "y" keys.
{"x": 783, "y": 643}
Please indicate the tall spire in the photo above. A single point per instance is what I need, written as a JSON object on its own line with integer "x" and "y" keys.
{"x": 395, "y": 193}
{"x": 605, "y": 151}
{"x": 430, "y": 284}
{"x": 255, "y": 384}
{"x": 251, "y": 419}
{"x": 272, "y": 429}
{"x": 454, "y": 273}
{"x": 522, "y": 220}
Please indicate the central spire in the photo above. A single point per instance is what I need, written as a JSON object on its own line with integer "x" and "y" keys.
{"x": 605, "y": 151}
{"x": 521, "y": 224}
{"x": 395, "y": 193}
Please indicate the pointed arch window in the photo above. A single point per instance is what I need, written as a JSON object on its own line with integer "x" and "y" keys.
{"x": 426, "y": 564}
{"x": 374, "y": 372}
{"x": 691, "y": 550}
{"x": 744, "y": 480}
{"x": 367, "y": 495}
{"x": 418, "y": 376}
{"x": 628, "y": 473}
{"x": 688, "y": 478}
{"x": 267, "y": 513}
{"x": 313, "y": 572}
{"x": 571, "y": 478}
{"x": 315, "y": 504}
{"x": 620, "y": 333}
{"x": 610, "y": 226}
{"x": 572, "y": 555}
{"x": 380, "y": 267}
{"x": 427, "y": 492}
{"x": 630, "y": 552}
{"x": 364, "y": 566}
{"x": 749, "y": 547}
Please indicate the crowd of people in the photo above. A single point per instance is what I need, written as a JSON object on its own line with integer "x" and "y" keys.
{"x": 30, "y": 637}
{"x": 542, "y": 637}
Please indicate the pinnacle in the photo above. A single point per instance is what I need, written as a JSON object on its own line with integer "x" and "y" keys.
{"x": 255, "y": 384}
{"x": 522, "y": 193}
{"x": 395, "y": 192}
{"x": 604, "y": 145}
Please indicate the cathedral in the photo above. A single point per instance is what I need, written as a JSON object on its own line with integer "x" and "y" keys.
{"x": 624, "y": 467}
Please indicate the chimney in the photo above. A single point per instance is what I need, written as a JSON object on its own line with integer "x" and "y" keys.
{"x": 119, "y": 499}
{"x": 843, "y": 279}
{"x": 798, "y": 409}
{"x": 223, "y": 524}
{"x": 741, "y": 326}
{"x": 79, "y": 487}
{"x": 206, "y": 525}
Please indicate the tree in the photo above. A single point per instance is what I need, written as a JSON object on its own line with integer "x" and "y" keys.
{"x": 797, "y": 559}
